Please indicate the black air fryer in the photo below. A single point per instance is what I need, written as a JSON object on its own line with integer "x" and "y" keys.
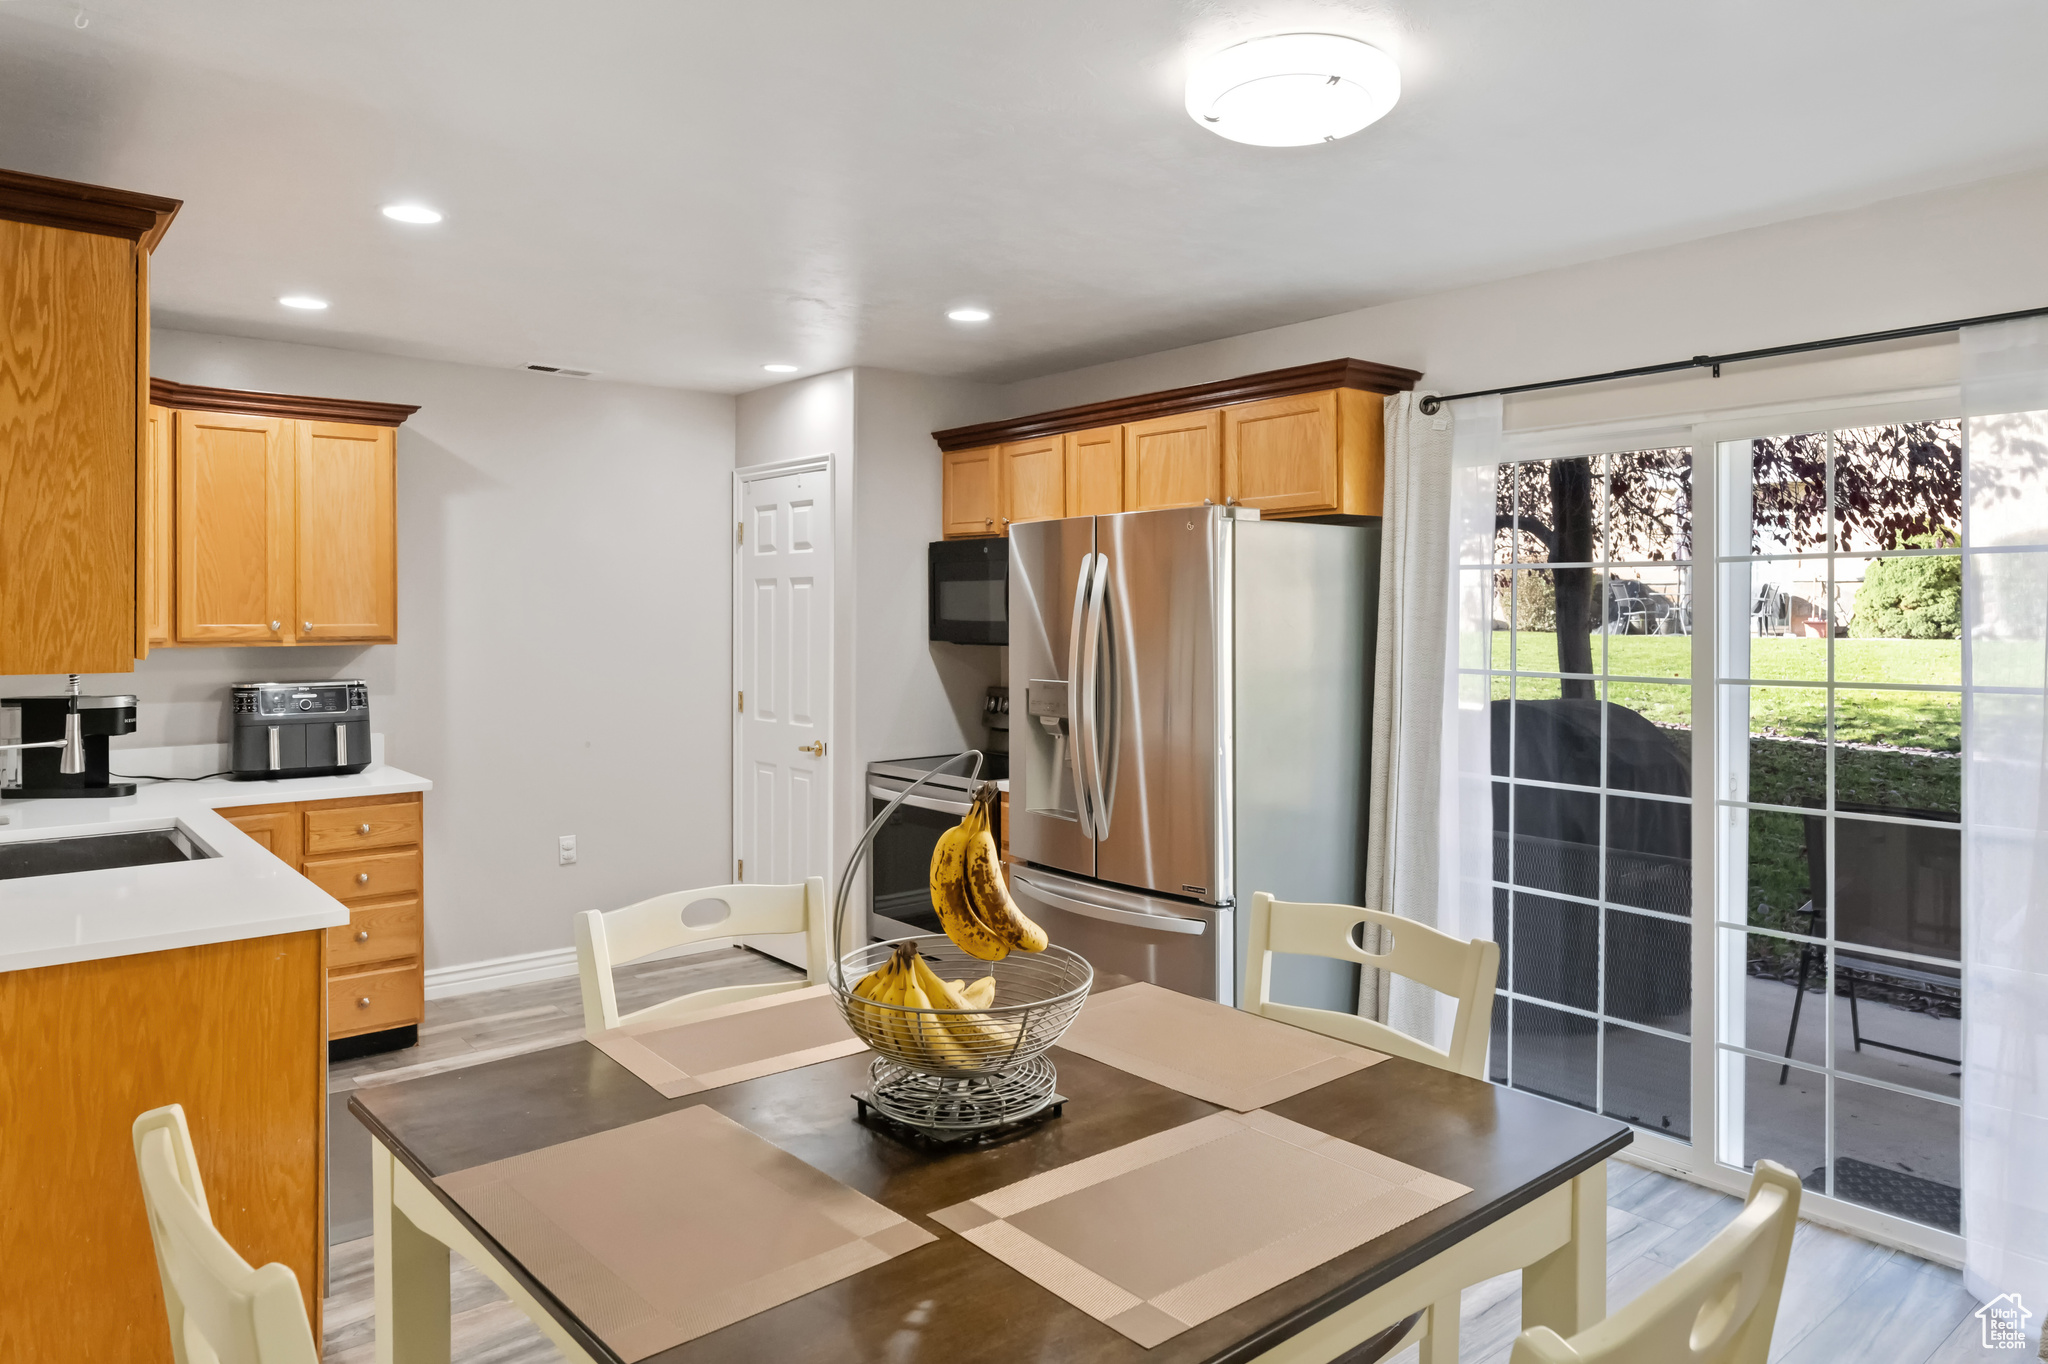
{"x": 300, "y": 729}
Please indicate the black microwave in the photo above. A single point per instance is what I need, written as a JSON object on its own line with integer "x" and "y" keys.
{"x": 970, "y": 591}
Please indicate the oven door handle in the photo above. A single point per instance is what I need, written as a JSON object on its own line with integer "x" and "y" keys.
{"x": 944, "y": 807}
{"x": 1158, "y": 923}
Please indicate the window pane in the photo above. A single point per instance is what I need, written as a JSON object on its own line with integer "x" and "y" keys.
{"x": 1649, "y": 1081}
{"x": 1649, "y": 971}
{"x": 1649, "y": 738}
{"x": 2008, "y": 467}
{"x": 1784, "y": 985}
{"x": 1899, "y": 487}
{"x": 1501, "y": 937}
{"x": 1900, "y": 620}
{"x": 1899, "y": 1153}
{"x": 1557, "y": 950}
{"x": 1898, "y": 887}
{"x": 1649, "y": 505}
{"x": 1497, "y": 1047}
{"x": 1557, "y": 840}
{"x": 1558, "y": 510}
{"x": 1787, "y": 860}
{"x": 1783, "y": 1122}
{"x": 1786, "y": 604}
{"x": 1901, "y": 1022}
{"x": 1899, "y": 752}
{"x": 1648, "y": 615}
{"x": 2007, "y": 602}
{"x": 1649, "y": 854}
{"x": 1556, "y": 616}
{"x": 1788, "y": 494}
{"x": 1556, "y": 1054}
{"x": 1787, "y": 751}
{"x": 1554, "y": 738}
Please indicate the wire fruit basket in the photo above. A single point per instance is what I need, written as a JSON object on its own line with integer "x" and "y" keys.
{"x": 957, "y": 1072}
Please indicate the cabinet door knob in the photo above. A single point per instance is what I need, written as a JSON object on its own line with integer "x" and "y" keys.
{"x": 362, "y": 828}
{"x": 362, "y": 878}
{"x": 276, "y": 624}
{"x": 363, "y": 935}
{"x": 363, "y": 1003}
{"x": 309, "y": 627}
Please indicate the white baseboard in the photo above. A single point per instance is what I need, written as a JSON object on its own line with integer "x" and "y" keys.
{"x": 472, "y": 977}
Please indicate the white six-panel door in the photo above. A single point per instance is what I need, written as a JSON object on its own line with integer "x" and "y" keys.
{"x": 782, "y": 666}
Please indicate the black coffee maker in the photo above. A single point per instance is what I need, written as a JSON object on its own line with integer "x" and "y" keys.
{"x": 56, "y": 746}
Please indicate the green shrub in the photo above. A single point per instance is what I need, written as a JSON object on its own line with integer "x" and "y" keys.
{"x": 1920, "y": 598}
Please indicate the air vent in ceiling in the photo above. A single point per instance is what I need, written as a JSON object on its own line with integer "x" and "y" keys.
{"x": 558, "y": 369}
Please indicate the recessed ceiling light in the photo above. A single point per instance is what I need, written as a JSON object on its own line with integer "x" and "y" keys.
{"x": 1292, "y": 89}
{"x": 780, "y": 369}
{"x": 969, "y": 315}
{"x": 306, "y": 301}
{"x": 411, "y": 213}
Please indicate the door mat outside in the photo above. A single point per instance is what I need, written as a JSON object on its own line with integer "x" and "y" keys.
{"x": 1212, "y": 1051}
{"x": 1894, "y": 1191}
{"x": 665, "y": 1230}
{"x": 732, "y": 1042}
{"x": 1164, "y": 1233}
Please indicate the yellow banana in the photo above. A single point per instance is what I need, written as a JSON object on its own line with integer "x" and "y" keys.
{"x": 981, "y": 994}
{"x": 950, "y": 898}
{"x": 992, "y": 902}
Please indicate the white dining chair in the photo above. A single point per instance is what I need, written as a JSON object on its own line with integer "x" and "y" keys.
{"x": 220, "y": 1310}
{"x": 610, "y": 938}
{"x": 1463, "y": 970}
{"x": 1719, "y": 1307}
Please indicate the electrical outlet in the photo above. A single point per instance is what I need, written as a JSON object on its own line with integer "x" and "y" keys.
{"x": 568, "y": 849}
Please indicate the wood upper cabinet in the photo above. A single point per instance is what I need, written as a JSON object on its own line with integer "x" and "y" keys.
{"x": 345, "y": 535}
{"x": 1173, "y": 461}
{"x": 234, "y": 520}
{"x": 74, "y": 289}
{"x": 1034, "y": 486}
{"x": 154, "y": 533}
{"x": 1095, "y": 471}
{"x": 1305, "y": 454}
{"x": 972, "y": 496}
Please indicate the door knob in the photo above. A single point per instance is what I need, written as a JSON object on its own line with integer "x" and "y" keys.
{"x": 276, "y": 624}
{"x": 362, "y": 828}
{"x": 362, "y": 878}
{"x": 363, "y": 1003}
{"x": 816, "y": 750}
{"x": 309, "y": 627}
{"x": 363, "y": 936}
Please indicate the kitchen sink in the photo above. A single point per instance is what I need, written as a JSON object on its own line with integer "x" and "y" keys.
{"x": 97, "y": 852}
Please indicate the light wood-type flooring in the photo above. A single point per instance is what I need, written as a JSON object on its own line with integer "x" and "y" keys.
{"x": 1845, "y": 1299}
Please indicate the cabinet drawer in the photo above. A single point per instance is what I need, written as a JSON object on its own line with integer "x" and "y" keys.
{"x": 349, "y": 827}
{"x": 376, "y": 933}
{"x": 368, "y": 876}
{"x": 370, "y": 1001}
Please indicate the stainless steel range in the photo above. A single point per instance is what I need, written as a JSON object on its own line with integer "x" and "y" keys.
{"x": 899, "y": 869}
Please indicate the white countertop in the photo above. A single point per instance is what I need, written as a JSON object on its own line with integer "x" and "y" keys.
{"x": 242, "y": 893}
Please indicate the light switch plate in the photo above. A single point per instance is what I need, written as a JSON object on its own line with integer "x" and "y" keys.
{"x": 568, "y": 849}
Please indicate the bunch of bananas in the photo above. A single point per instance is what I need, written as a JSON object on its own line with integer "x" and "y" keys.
{"x": 960, "y": 1039}
{"x": 968, "y": 891}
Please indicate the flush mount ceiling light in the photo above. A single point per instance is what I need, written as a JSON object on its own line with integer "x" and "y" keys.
{"x": 968, "y": 315}
{"x": 411, "y": 213}
{"x": 1292, "y": 89}
{"x": 780, "y": 369}
{"x": 305, "y": 301}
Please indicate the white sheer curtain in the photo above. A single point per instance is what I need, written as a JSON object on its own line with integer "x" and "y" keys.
{"x": 1466, "y": 794}
{"x": 2005, "y": 812}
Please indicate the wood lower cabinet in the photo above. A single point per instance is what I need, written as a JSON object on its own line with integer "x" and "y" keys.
{"x": 278, "y": 525}
{"x": 233, "y": 1032}
{"x": 972, "y": 492}
{"x": 1173, "y": 461}
{"x": 366, "y": 852}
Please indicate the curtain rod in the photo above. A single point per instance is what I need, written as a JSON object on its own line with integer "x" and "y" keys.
{"x": 1433, "y": 403}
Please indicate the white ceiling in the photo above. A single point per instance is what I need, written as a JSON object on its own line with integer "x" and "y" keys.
{"x": 677, "y": 191}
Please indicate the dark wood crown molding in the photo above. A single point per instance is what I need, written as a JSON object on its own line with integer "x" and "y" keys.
{"x": 194, "y": 398}
{"x": 1272, "y": 383}
{"x": 106, "y": 212}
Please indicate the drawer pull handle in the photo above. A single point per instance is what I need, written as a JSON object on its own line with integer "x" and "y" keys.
{"x": 363, "y": 936}
{"x": 362, "y": 828}
{"x": 362, "y": 878}
{"x": 363, "y": 1003}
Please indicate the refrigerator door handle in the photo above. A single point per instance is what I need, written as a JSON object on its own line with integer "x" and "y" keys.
{"x": 1160, "y": 923}
{"x": 1079, "y": 740}
{"x": 1097, "y": 822}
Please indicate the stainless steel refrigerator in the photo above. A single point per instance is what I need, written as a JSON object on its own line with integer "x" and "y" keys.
{"x": 1196, "y": 695}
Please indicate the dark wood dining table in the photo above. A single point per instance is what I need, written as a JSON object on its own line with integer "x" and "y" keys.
{"x": 1536, "y": 1169}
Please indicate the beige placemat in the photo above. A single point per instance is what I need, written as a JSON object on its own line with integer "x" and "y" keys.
{"x": 1165, "y": 1233}
{"x": 1206, "y": 1049}
{"x": 665, "y": 1230}
{"x": 732, "y": 1042}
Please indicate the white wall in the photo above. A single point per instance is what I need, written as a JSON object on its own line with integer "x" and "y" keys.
{"x": 1934, "y": 257}
{"x": 564, "y": 590}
